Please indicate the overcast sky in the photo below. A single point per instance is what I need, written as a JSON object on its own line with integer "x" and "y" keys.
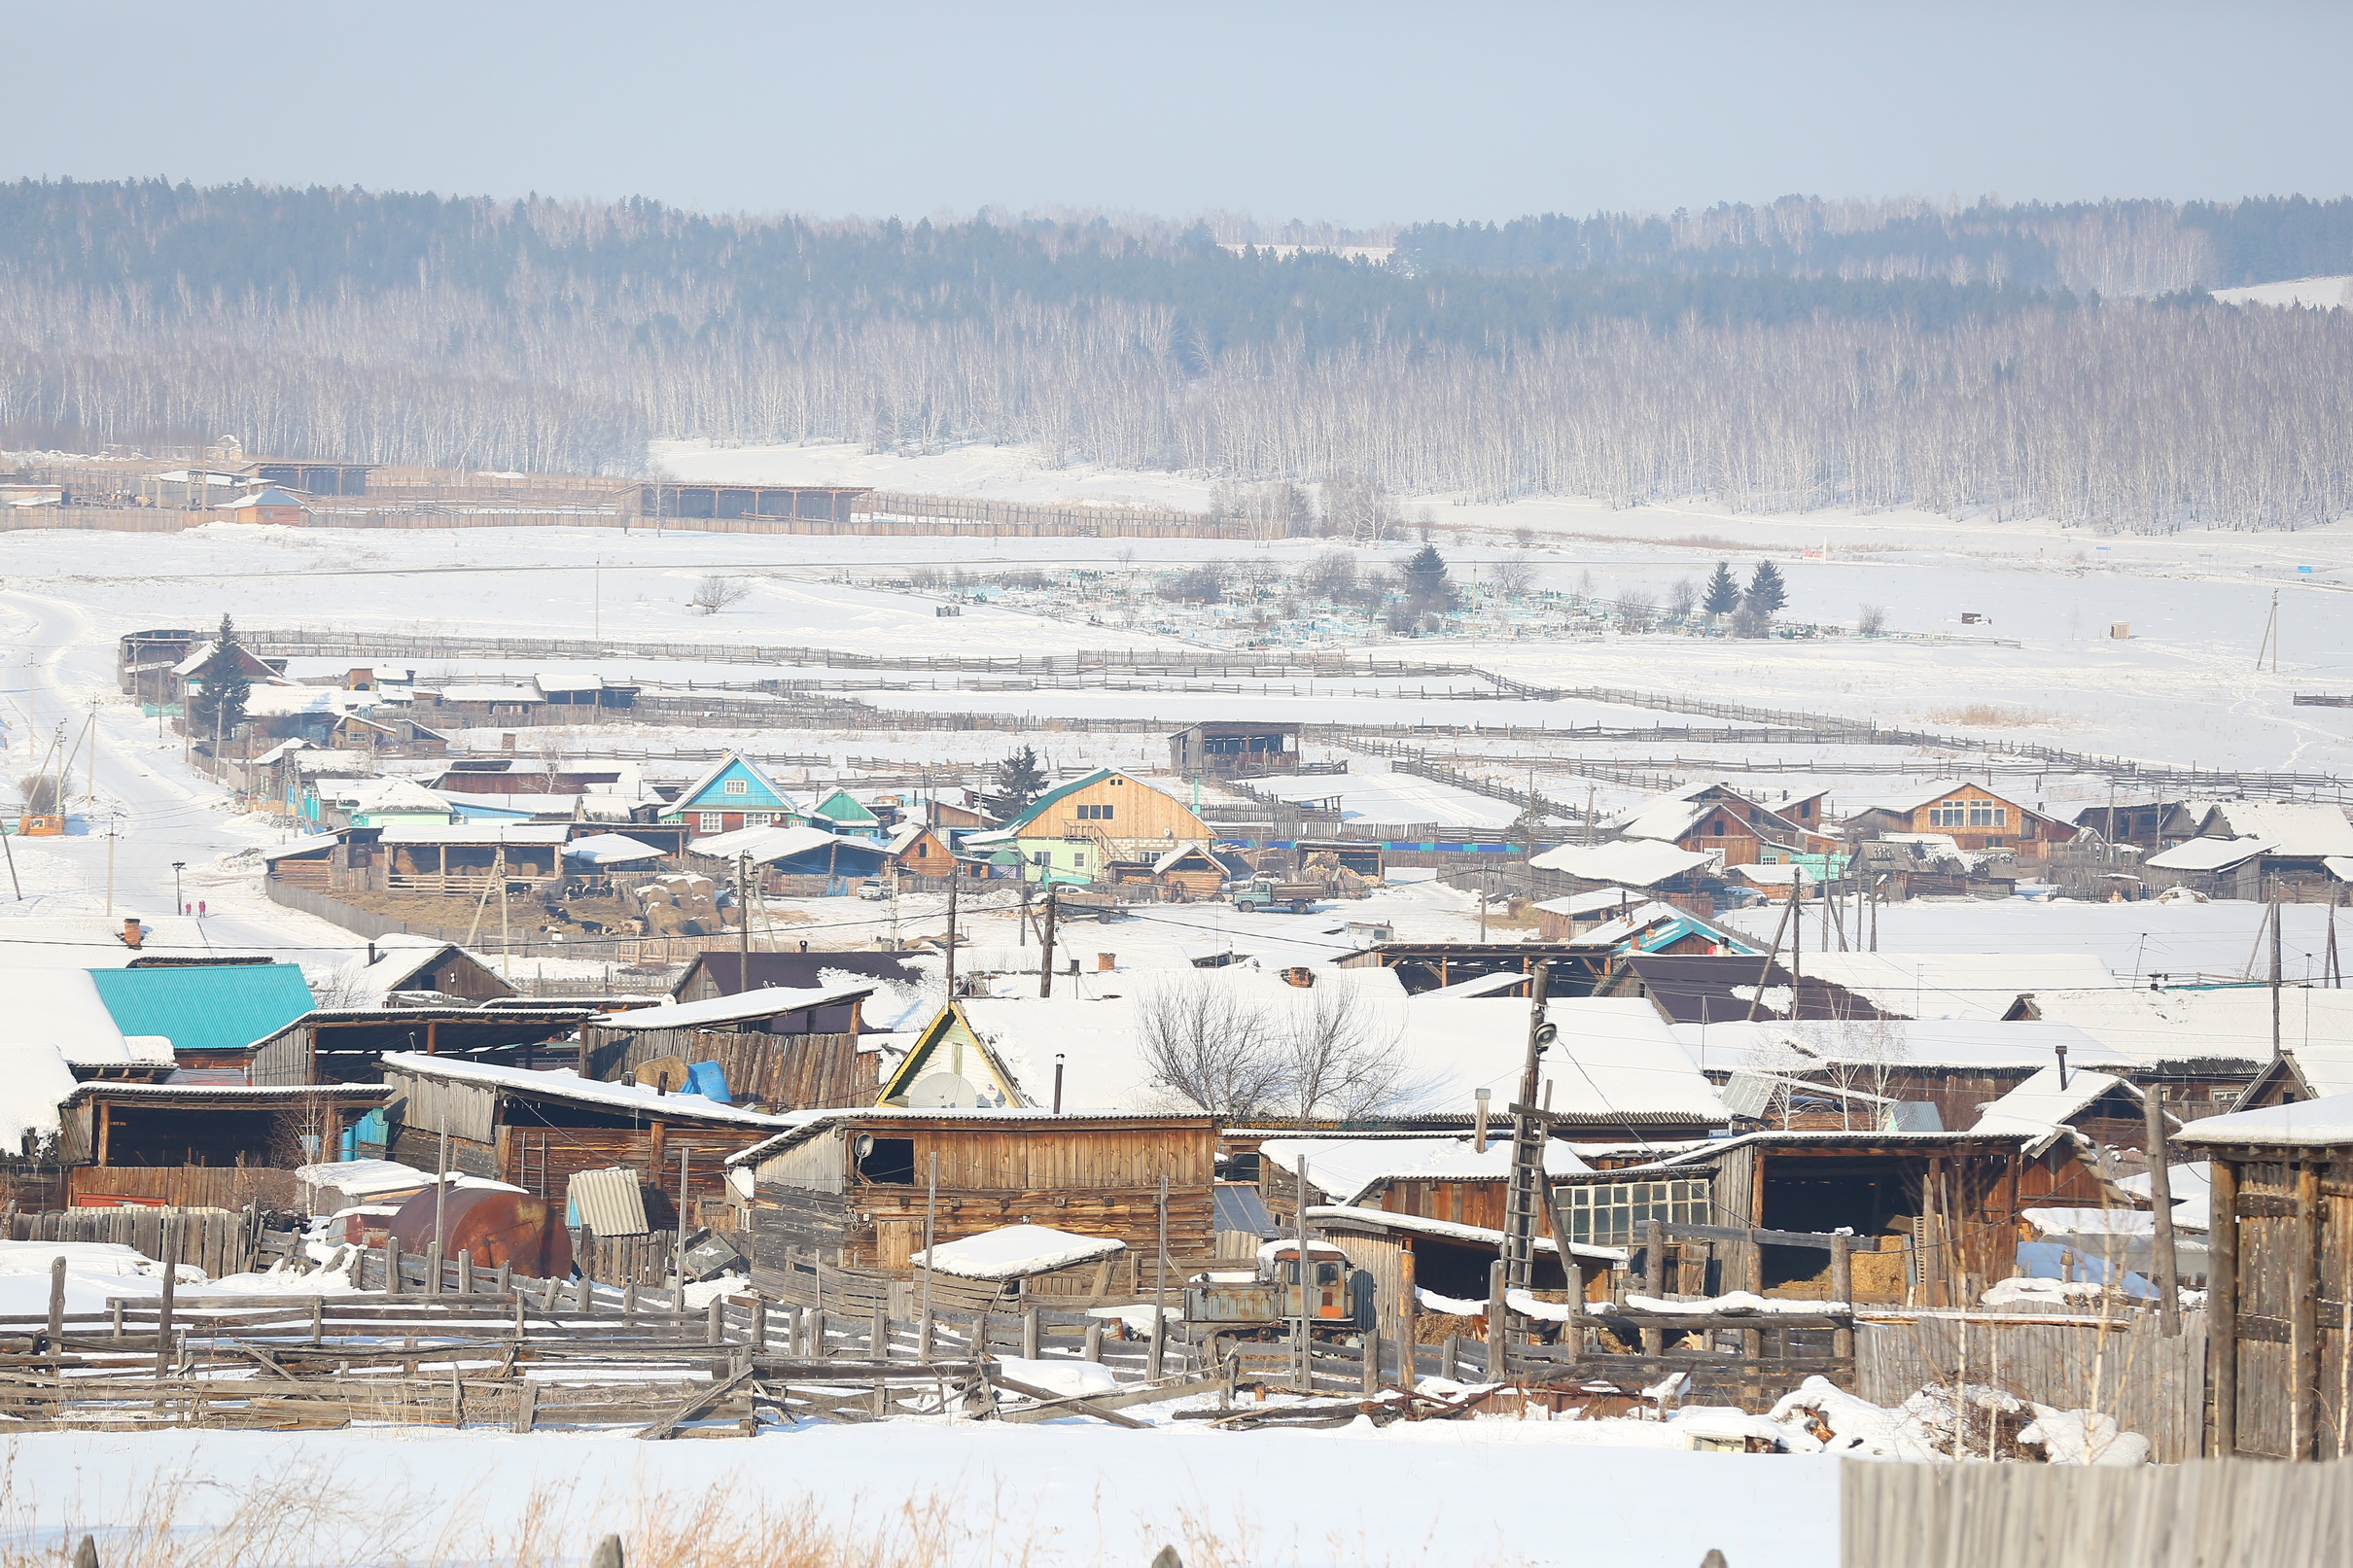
{"x": 1362, "y": 113}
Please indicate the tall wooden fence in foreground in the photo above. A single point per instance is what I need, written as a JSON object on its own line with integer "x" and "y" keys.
{"x": 2207, "y": 1513}
{"x": 2124, "y": 1367}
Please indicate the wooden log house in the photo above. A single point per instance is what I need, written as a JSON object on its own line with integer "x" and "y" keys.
{"x": 538, "y": 1130}
{"x": 199, "y": 1146}
{"x": 852, "y": 1189}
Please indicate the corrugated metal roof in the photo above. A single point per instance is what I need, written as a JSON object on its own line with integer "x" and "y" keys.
{"x": 205, "y": 1007}
{"x": 609, "y": 1202}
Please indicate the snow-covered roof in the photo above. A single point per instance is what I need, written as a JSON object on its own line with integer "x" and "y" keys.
{"x": 2292, "y": 827}
{"x": 2208, "y": 854}
{"x": 380, "y": 795}
{"x": 64, "y": 1011}
{"x": 269, "y": 700}
{"x": 1345, "y": 1167}
{"x": 1189, "y": 846}
{"x": 1907, "y": 801}
{"x": 1015, "y": 1253}
{"x": 769, "y": 844}
{"x": 565, "y": 1084}
{"x": 2155, "y": 1028}
{"x": 1593, "y": 903}
{"x": 768, "y": 1001}
{"x": 2192, "y": 1189}
{"x": 611, "y": 850}
{"x": 1962, "y": 1045}
{"x": 267, "y": 496}
{"x": 2325, "y": 1122}
{"x": 485, "y": 833}
{"x": 308, "y": 843}
{"x": 491, "y": 694}
{"x": 1634, "y": 862}
{"x": 1954, "y": 985}
{"x": 1769, "y": 876}
{"x": 1484, "y": 986}
{"x": 1665, "y": 817}
{"x": 2041, "y": 1105}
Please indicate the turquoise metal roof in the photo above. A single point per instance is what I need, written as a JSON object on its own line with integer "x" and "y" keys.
{"x": 205, "y": 1007}
{"x": 1030, "y": 813}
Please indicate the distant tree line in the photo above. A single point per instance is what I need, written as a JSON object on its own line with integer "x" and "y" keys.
{"x": 565, "y": 337}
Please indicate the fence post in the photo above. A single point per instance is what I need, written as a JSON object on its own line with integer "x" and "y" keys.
{"x": 1841, "y": 1289}
{"x": 1497, "y": 1315}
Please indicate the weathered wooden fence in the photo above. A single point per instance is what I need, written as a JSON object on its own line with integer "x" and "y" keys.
{"x": 2124, "y": 1367}
{"x": 2207, "y": 1513}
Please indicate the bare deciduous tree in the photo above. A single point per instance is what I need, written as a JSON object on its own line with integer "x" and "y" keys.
{"x": 1683, "y": 598}
{"x": 1513, "y": 576}
{"x": 1343, "y": 1054}
{"x": 1637, "y": 609}
{"x": 716, "y": 593}
{"x": 1871, "y": 619}
{"x": 1208, "y": 1046}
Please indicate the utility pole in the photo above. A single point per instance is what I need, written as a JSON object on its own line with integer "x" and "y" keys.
{"x": 743, "y": 918}
{"x": 953, "y": 880}
{"x": 1045, "y": 964}
{"x": 2270, "y": 642}
{"x": 2161, "y": 1199}
{"x": 111, "y": 832}
{"x": 1531, "y": 1131}
{"x": 2275, "y": 948}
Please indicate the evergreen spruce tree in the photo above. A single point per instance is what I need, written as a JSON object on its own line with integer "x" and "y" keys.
{"x": 1428, "y": 585}
{"x": 1767, "y": 592}
{"x": 218, "y": 706}
{"x": 1020, "y": 779}
{"x": 1723, "y": 591}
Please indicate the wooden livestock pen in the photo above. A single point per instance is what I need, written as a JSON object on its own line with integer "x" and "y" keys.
{"x": 767, "y": 1042}
{"x": 2279, "y": 1281}
{"x": 1935, "y": 1216}
{"x": 459, "y": 858}
{"x": 538, "y": 1130}
{"x": 199, "y": 1146}
{"x": 854, "y": 1189}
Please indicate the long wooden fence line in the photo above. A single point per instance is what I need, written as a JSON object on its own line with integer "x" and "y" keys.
{"x": 2128, "y": 1369}
{"x": 2206, "y": 1513}
{"x": 1834, "y": 728}
{"x": 214, "y": 1241}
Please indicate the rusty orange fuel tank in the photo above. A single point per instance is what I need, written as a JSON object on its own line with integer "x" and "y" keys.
{"x": 495, "y": 1227}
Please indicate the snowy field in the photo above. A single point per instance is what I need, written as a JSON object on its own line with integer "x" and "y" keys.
{"x": 1453, "y": 1494}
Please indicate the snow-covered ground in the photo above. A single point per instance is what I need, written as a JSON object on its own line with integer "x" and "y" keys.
{"x": 1483, "y": 1494}
{"x": 2328, "y": 294}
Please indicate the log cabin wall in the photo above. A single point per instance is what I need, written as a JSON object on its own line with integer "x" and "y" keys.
{"x": 785, "y": 1071}
{"x": 1460, "y": 1201}
{"x": 2280, "y": 1302}
{"x": 1100, "y": 1180}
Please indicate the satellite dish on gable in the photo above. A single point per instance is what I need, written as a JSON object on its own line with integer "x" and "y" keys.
{"x": 943, "y": 1091}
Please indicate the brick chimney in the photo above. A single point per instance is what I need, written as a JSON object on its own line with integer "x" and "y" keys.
{"x": 133, "y": 936}
{"x": 1105, "y": 963}
{"x": 1302, "y": 977}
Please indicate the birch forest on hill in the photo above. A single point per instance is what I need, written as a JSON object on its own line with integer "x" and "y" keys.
{"x": 1976, "y": 361}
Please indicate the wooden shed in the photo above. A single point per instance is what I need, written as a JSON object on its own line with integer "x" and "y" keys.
{"x": 1946, "y": 1205}
{"x": 199, "y": 1146}
{"x": 2279, "y": 1259}
{"x": 347, "y": 1045}
{"x": 439, "y": 859}
{"x": 851, "y": 1189}
{"x": 537, "y": 1129}
{"x": 778, "y": 1048}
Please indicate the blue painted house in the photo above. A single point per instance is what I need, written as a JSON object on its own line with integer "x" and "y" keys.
{"x": 735, "y": 793}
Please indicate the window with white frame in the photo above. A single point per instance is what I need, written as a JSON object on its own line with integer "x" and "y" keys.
{"x": 1982, "y": 814}
{"x": 1612, "y": 1214}
{"x": 1948, "y": 814}
{"x": 736, "y": 787}
{"x": 709, "y": 823}
{"x": 759, "y": 818}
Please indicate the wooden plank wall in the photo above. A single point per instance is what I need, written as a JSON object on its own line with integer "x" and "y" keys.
{"x": 188, "y": 1186}
{"x": 2291, "y": 1330}
{"x": 2209, "y": 1513}
{"x": 216, "y": 1240}
{"x": 784, "y": 1071}
{"x": 463, "y": 1110}
{"x": 2151, "y": 1384}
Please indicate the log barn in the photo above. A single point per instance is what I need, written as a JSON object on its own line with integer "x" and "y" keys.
{"x": 2279, "y": 1277}
{"x": 1947, "y": 1205}
{"x": 538, "y": 1130}
{"x": 851, "y": 1188}
{"x": 782, "y": 1048}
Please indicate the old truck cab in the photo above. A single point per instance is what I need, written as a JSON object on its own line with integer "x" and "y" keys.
{"x": 1333, "y": 1295}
